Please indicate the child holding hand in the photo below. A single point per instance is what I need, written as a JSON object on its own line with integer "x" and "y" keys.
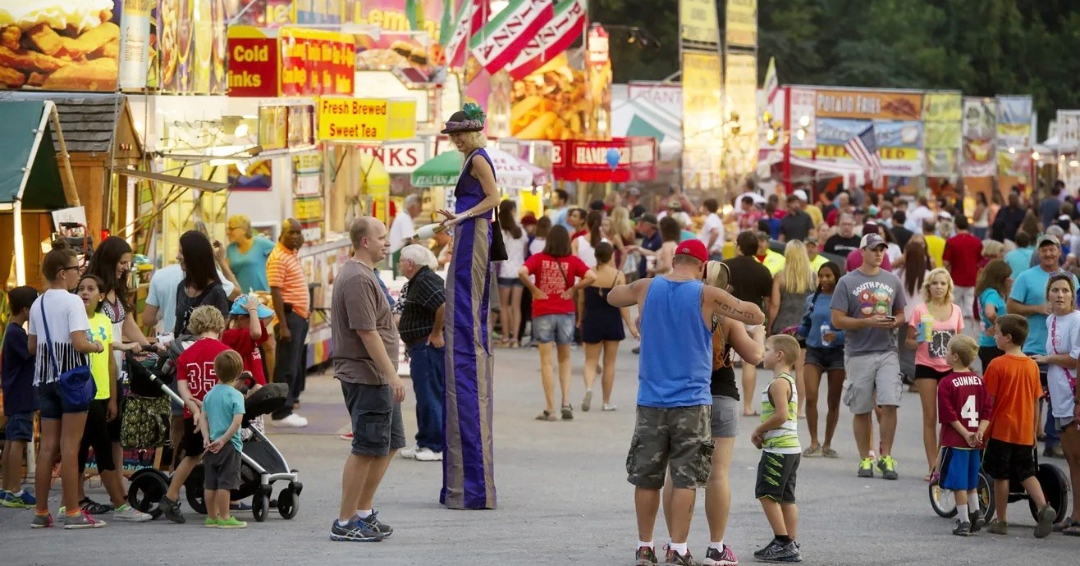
{"x": 220, "y": 420}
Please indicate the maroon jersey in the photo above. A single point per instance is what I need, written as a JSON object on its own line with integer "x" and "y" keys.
{"x": 961, "y": 397}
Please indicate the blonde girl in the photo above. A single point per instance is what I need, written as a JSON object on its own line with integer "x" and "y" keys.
{"x": 1062, "y": 346}
{"x": 931, "y": 326}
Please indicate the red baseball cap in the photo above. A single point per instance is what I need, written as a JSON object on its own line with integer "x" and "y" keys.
{"x": 694, "y": 248}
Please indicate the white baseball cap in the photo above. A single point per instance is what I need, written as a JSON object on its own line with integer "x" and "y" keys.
{"x": 801, "y": 195}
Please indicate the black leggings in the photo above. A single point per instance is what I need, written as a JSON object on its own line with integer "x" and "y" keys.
{"x": 987, "y": 353}
{"x": 96, "y": 435}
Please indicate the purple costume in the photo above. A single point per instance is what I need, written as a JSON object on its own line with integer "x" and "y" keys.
{"x": 468, "y": 462}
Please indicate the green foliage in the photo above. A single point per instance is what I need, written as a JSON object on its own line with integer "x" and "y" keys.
{"x": 981, "y": 47}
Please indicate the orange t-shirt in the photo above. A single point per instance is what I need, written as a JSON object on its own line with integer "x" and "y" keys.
{"x": 1013, "y": 384}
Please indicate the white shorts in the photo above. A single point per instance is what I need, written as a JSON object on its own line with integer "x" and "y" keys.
{"x": 872, "y": 379}
{"x": 965, "y": 297}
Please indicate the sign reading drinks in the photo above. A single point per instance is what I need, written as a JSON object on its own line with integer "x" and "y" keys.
{"x": 365, "y": 119}
{"x": 253, "y": 63}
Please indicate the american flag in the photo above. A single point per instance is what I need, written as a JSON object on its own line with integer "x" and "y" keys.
{"x": 863, "y": 149}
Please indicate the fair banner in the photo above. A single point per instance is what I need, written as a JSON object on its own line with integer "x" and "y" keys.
{"x": 741, "y": 29}
{"x": 316, "y": 62}
{"x": 899, "y": 143}
{"x": 409, "y": 35}
{"x": 803, "y": 111}
{"x": 499, "y": 42}
{"x": 553, "y": 39}
{"x": 1014, "y": 162}
{"x": 365, "y": 119}
{"x": 253, "y": 63}
{"x": 980, "y": 137}
{"x": 51, "y": 46}
{"x": 1068, "y": 129}
{"x": 944, "y": 135}
{"x": 470, "y": 18}
{"x": 698, "y": 21}
{"x": 941, "y": 162}
{"x": 135, "y": 44}
{"x": 868, "y": 104}
{"x": 740, "y": 88}
{"x": 943, "y": 107}
{"x": 551, "y": 103}
{"x": 702, "y": 117}
{"x": 1013, "y": 125}
{"x": 587, "y": 161}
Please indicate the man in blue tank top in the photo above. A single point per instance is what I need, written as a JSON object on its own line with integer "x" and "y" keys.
{"x": 674, "y": 410}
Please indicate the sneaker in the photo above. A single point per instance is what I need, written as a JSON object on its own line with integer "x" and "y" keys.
{"x": 866, "y": 468}
{"x": 41, "y": 521}
{"x": 977, "y": 520}
{"x": 963, "y": 529}
{"x": 231, "y": 523}
{"x": 293, "y": 420}
{"x": 608, "y": 407}
{"x": 211, "y": 523}
{"x": 354, "y": 531}
{"x": 347, "y": 436}
{"x": 171, "y": 509}
{"x": 82, "y": 521}
{"x": 567, "y": 413}
{"x": 714, "y": 557}
{"x": 672, "y": 558}
{"x": 373, "y": 522}
{"x": 997, "y": 527}
{"x": 586, "y": 403}
{"x": 93, "y": 507}
{"x": 22, "y": 501}
{"x": 636, "y": 349}
{"x": 888, "y": 467}
{"x": 409, "y": 453}
{"x": 776, "y": 551}
{"x": 1046, "y": 518}
{"x": 645, "y": 556}
{"x": 128, "y": 513}
{"x": 428, "y": 455}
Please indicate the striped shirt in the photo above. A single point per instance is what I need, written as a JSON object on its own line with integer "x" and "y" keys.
{"x": 785, "y": 438}
{"x": 283, "y": 270}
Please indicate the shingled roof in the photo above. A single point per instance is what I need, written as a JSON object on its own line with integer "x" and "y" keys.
{"x": 88, "y": 120}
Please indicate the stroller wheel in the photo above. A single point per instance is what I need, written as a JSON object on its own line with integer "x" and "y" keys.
{"x": 146, "y": 490}
{"x": 288, "y": 503}
{"x": 942, "y": 501}
{"x": 260, "y": 504}
{"x": 195, "y": 491}
{"x": 1055, "y": 487}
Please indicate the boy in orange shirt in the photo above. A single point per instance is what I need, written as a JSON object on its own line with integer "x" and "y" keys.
{"x": 1012, "y": 380}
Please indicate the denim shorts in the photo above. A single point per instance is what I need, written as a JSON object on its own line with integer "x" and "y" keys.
{"x": 510, "y": 282}
{"x": 557, "y": 328}
{"x": 20, "y": 427}
{"x": 53, "y": 405}
{"x": 825, "y": 358}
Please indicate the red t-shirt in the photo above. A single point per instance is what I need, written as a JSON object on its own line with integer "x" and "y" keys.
{"x": 963, "y": 251}
{"x": 554, "y": 281}
{"x": 239, "y": 339}
{"x": 961, "y": 397}
{"x": 196, "y": 366}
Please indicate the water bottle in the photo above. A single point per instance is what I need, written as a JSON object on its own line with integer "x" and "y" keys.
{"x": 824, "y": 329}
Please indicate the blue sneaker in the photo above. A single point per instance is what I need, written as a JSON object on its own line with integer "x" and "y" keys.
{"x": 22, "y": 501}
{"x": 354, "y": 531}
{"x": 378, "y": 526}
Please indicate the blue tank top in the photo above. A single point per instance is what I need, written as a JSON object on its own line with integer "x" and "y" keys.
{"x": 675, "y": 367}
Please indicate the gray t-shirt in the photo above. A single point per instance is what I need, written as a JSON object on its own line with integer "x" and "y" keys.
{"x": 862, "y": 296}
{"x": 359, "y": 304}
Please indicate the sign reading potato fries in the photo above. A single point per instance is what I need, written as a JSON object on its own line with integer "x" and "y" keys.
{"x": 365, "y": 119}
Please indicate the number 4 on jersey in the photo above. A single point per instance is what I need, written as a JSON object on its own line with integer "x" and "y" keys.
{"x": 970, "y": 411}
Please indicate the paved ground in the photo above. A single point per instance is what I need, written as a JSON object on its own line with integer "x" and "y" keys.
{"x": 563, "y": 498}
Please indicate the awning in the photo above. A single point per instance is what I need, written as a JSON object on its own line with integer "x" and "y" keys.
{"x": 209, "y": 186}
{"x": 29, "y": 170}
{"x": 853, "y": 175}
{"x": 443, "y": 170}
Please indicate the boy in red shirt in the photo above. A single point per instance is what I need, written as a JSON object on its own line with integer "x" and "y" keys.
{"x": 964, "y": 413}
{"x": 247, "y": 332}
{"x": 195, "y": 377}
{"x": 1012, "y": 380}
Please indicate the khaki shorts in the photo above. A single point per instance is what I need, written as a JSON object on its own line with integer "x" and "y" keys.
{"x": 678, "y": 438}
{"x": 872, "y": 379}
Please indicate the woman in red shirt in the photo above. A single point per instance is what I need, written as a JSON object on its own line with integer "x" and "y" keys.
{"x": 550, "y": 276}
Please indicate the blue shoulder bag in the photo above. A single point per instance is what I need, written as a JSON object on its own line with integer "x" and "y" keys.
{"x": 77, "y": 384}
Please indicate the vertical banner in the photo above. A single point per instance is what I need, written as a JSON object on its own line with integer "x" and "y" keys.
{"x": 599, "y": 69}
{"x": 740, "y": 133}
{"x": 942, "y": 117}
{"x": 702, "y": 119}
{"x": 1014, "y": 135}
{"x": 697, "y": 20}
{"x": 803, "y": 119}
{"x": 742, "y": 24}
{"x": 135, "y": 44}
{"x": 980, "y": 137}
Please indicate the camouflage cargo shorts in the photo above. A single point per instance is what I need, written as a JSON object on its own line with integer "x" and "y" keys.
{"x": 679, "y": 438}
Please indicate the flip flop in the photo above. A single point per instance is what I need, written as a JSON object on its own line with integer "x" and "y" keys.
{"x": 829, "y": 453}
{"x": 546, "y": 416}
{"x": 1068, "y": 523}
{"x": 812, "y": 452}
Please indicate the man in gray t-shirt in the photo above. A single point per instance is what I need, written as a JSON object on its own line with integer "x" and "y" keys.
{"x": 868, "y": 304}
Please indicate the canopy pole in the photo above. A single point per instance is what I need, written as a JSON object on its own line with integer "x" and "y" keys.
{"x": 20, "y": 248}
{"x": 70, "y": 192}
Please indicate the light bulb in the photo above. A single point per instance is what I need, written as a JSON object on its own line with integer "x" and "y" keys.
{"x": 801, "y": 134}
{"x": 804, "y": 121}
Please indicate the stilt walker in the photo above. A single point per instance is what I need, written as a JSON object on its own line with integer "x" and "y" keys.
{"x": 468, "y": 461}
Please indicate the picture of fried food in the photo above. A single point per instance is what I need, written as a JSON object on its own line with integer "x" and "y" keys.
{"x": 551, "y": 103}
{"x": 47, "y": 40}
{"x": 416, "y": 54}
{"x": 11, "y": 78}
{"x": 97, "y": 74}
{"x": 10, "y": 36}
{"x": 92, "y": 40}
{"x": 36, "y": 79}
{"x": 110, "y": 50}
{"x": 168, "y": 35}
{"x": 26, "y": 61}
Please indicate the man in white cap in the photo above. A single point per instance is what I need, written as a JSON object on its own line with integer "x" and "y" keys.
{"x": 810, "y": 208}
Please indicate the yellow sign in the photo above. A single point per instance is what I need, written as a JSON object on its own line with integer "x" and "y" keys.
{"x": 740, "y": 87}
{"x": 943, "y": 107}
{"x": 886, "y": 153}
{"x": 308, "y": 208}
{"x": 365, "y": 119}
{"x": 698, "y": 21}
{"x": 741, "y": 29}
{"x": 702, "y": 119}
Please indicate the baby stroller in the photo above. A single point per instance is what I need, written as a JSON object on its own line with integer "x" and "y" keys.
{"x": 261, "y": 463}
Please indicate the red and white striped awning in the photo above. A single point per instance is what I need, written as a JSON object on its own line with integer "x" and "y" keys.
{"x": 852, "y": 173}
